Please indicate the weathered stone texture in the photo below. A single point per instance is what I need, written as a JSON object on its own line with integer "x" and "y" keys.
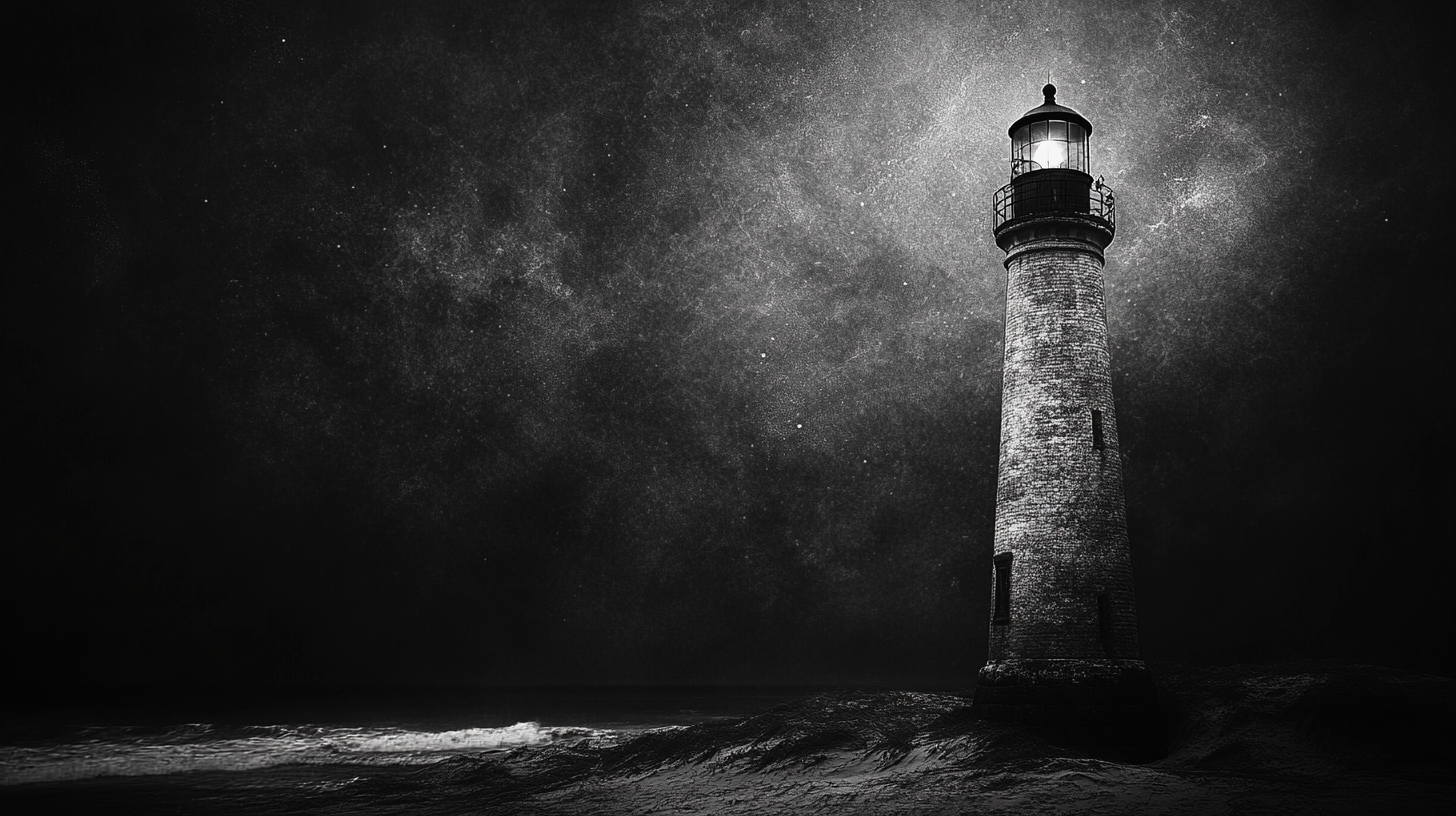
{"x": 1059, "y": 502}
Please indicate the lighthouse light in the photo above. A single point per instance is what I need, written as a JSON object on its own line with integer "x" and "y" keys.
{"x": 1049, "y": 154}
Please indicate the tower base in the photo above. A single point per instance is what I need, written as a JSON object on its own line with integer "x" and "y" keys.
{"x": 1107, "y": 707}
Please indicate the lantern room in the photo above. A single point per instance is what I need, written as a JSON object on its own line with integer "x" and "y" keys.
{"x": 1050, "y": 180}
{"x": 1050, "y": 137}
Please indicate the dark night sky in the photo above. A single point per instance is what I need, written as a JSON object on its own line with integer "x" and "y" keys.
{"x": 661, "y": 342}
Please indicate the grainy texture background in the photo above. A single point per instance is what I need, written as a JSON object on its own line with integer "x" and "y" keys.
{"x": 653, "y": 341}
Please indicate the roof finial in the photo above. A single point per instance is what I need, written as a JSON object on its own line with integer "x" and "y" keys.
{"x": 1050, "y": 92}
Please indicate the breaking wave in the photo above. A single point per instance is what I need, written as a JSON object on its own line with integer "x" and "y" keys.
{"x": 127, "y": 751}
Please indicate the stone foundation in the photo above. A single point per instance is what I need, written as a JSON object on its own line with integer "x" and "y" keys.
{"x": 1106, "y": 707}
{"x": 1065, "y": 682}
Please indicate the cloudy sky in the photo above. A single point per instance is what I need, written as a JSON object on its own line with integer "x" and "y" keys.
{"x": 661, "y": 342}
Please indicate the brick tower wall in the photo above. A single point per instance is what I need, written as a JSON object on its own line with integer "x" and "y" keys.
{"x": 1060, "y": 511}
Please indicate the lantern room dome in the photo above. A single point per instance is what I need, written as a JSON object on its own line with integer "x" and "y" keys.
{"x": 1049, "y": 110}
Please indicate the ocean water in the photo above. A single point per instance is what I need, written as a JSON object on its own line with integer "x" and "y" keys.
{"x": 323, "y": 740}
{"x": 1295, "y": 738}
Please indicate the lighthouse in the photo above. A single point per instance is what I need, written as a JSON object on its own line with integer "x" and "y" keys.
{"x": 1064, "y": 637}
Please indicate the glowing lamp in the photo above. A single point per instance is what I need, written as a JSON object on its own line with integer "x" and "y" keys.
{"x": 1049, "y": 153}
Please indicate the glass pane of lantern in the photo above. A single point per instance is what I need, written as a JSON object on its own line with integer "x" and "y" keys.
{"x": 1076, "y": 159}
{"x": 1074, "y": 132}
{"x": 1058, "y": 130}
{"x": 1038, "y": 131}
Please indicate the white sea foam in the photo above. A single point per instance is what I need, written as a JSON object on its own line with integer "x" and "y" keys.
{"x": 191, "y": 748}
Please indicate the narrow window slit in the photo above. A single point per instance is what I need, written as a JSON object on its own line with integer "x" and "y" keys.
{"x": 1097, "y": 429}
{"x": 1002, "y": 613}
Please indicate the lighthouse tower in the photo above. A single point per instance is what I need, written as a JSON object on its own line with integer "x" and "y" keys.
{"x": 1064, "y": 635}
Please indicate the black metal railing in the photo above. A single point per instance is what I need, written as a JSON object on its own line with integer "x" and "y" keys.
{"x": 1052, "y": 193}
